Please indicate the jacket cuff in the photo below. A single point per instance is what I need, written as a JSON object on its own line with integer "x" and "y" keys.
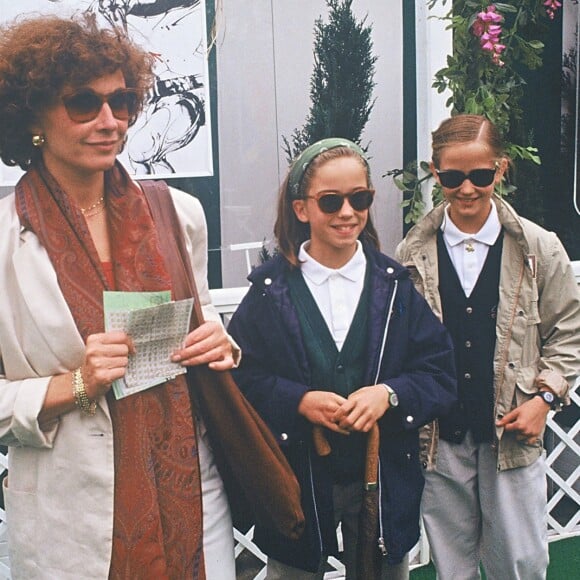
{"x": 556, "y": 383}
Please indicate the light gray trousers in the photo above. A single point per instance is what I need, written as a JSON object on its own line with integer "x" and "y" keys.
{"x": 473, "y": 513}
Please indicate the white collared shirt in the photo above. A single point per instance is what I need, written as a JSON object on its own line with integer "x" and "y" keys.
{"x": 469, "y": 251}
{"x": 336, "y": 292}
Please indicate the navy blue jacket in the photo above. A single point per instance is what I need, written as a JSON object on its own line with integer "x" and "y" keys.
{"x": 274, "y": 374}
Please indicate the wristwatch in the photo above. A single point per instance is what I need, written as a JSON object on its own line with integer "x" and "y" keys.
{"x": 549, "y": 398}
{"x": 393, "y": 398}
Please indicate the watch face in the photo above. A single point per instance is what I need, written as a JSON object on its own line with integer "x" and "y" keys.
{"x": 548, "y": 397}
{"x": 393, "y": 399}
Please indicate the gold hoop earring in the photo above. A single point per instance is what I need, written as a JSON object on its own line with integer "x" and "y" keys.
{"x": 38, "y": 140}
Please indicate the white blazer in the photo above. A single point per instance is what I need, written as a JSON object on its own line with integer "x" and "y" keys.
{"x": 59, "y": 491}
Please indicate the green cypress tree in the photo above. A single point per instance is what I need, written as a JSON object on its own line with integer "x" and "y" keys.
{"x": 342, "y": 82}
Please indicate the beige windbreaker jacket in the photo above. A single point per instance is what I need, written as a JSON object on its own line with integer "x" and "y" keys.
{"x": 538, "y": 319}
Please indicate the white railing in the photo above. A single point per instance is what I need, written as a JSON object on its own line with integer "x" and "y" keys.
{"x": 563, "y": 460}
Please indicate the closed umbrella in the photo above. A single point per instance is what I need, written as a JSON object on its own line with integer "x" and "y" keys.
{"x": 368, "y": 555}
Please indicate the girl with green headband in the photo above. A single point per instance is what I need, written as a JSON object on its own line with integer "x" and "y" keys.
{"x": 337, "y": 341}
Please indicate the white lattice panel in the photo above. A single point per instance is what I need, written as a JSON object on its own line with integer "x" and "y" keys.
{"x": 563, "y": 461}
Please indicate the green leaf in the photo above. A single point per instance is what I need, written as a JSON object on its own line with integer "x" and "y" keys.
{"x": 502, "y": 7}
{"x": 399, "y": 184}
{"x": 536, "y": 44}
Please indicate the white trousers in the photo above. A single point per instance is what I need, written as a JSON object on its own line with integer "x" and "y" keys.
{"x": 473, "y": 513}
{"x": 218, "y": 532}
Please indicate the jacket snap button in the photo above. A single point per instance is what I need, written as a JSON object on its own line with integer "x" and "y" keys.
{"x": 268, "y": 281}
{"x": 284, "y": 436}
{"x": 511, "y": 365}
{"x": 467, "y": 376}
{"x": 468, "y": 344}
{"x": 469, "y": 310}
{"x": 410, "y": 418}
{"x": 390, "y": 270}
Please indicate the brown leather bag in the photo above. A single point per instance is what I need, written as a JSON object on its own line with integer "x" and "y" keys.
{"x": 261, "y": 485}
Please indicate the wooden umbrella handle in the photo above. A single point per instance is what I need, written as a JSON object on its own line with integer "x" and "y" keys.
{"x": 323, "y": 449}
{"x": 372, "y": 458}
{"x": 321, "y": 443}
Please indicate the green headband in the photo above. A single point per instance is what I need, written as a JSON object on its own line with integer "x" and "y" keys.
{"x": 309, "y": 154}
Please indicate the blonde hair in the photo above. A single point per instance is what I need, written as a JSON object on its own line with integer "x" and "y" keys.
{"x": 466, "y": 129}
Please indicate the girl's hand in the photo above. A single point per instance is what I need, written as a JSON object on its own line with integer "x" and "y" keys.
{"x": 106, "y": 359}
{"x": 527, "y": 421}
{"x": 362, "y": 409}
{"x": 207, "y": 344}
{"x": 319, "y": 407}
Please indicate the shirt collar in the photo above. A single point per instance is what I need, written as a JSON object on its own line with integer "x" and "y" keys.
{"x": 486, "y": 235}
{"x": 318, "y": 274}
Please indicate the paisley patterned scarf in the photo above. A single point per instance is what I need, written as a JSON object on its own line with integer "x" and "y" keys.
{"x": 157, "y": 529}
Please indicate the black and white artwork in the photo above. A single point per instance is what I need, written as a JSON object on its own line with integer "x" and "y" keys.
{"x": 172, "y": 137}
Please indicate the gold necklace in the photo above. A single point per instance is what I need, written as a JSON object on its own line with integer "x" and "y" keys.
{"x": 98, "y": 210}
{"x": 86, "y": 210}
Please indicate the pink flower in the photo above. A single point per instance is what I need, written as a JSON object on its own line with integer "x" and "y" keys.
{"x": 478, "y": 28}
{"x": 552, "y": 7}
{"x": 487, "y": 27}
{"x": 495, "y": 58}
{"x": 490, "y": 16}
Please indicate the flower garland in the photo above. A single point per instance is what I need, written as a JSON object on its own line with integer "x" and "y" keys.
{"x": 492, "y": 44}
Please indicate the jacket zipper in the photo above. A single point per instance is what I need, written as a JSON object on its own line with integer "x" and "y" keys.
{"x": 381, "y": 539}
{"x": 314, "y": 502}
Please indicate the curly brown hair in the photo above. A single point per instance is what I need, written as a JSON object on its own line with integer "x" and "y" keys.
{"x": 289, "y": 231}
{"x": 41, "y": 55}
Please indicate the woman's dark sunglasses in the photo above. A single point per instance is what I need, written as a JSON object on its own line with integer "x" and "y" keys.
{"x": 85, "y": 105}
{"x": 332, "y": 202}
{"x": 453, "y": 178}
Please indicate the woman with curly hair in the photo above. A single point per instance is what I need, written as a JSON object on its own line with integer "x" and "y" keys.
{"x": 98, "y": 487}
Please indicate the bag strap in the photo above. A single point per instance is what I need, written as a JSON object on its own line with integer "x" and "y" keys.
{"x": 259, "y": 481}
{"x": 173, "y": 247}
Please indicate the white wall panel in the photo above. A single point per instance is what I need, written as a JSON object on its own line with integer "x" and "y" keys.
{"x": 264, "y": 62}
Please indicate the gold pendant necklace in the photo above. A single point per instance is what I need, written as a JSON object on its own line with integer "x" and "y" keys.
{"x": 86, "y": 211}
{"x": 98, "y": 210}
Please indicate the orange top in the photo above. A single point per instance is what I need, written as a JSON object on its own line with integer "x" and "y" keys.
{"x": 109, "y": 275}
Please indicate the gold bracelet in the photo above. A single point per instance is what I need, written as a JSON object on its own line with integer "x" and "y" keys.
{"x": 87, "y": 406}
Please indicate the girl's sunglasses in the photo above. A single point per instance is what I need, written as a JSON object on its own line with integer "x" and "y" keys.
{"x": 85, "y": 105}
{"x": 332, "y": 202}
{"x": 453, "y": 178}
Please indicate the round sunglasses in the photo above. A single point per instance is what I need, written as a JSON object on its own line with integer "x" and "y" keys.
{"x": 332, "y": 202}
{"x": 85, "y": 105}
{"x": 452, "y": 178}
